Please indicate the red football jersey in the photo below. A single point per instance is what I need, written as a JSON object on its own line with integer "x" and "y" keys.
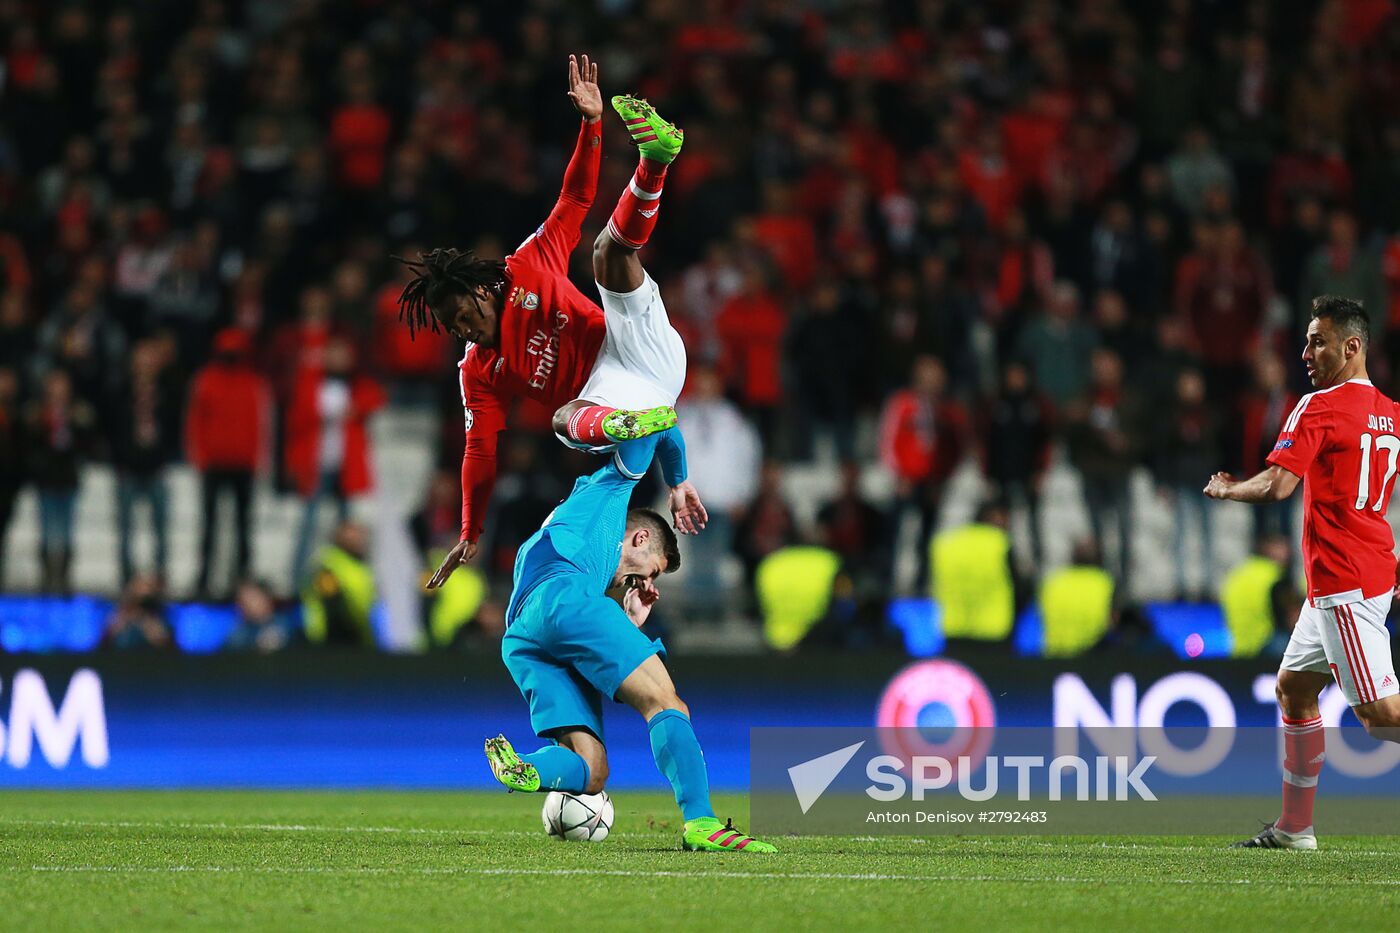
{"x": 550, "y": 334}
{"x": 1343, "y": 442}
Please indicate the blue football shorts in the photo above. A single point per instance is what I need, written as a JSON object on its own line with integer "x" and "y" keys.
{"x": 567, "y": 649}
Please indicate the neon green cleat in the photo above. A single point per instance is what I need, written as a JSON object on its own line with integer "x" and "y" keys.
{"x": 630, "y": 425}
{"x": 510, "y": 769}
{"x": 708, "y": 835}
{"x": 658, "y": 139}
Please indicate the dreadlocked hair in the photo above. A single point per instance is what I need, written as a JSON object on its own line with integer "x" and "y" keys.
{"x": 442, "y": 276}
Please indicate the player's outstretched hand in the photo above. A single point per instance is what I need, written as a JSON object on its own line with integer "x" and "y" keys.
{"x": 583, "y": 87}
{"x": 459, "y": 555}
{"x": 1219, "y": 485}
{"x": 641, "y": 595}
{"x": 687, "y": 510}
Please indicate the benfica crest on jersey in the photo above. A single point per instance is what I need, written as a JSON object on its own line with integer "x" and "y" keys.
{"x": 528, "y": 300}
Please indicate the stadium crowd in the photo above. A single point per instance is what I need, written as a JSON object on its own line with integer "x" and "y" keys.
{"x": 913, "y": 232}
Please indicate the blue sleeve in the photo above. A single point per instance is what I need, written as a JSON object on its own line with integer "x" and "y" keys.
{"x": 670, "y": 449}
{"x": 633, "y": 458}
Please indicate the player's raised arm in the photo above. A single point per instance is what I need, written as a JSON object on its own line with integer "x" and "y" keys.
{"x": 550, "y": 245}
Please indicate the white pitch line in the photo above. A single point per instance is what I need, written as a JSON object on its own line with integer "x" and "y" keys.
{"x": 265, "y": 827}
{"x": 688, "y": 875}
{"x": 479, "y": 831}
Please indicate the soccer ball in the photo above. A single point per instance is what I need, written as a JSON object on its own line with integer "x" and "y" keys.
{"x": 579, "y": 817}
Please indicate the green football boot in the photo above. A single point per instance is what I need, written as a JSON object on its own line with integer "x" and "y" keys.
{"x": 658, "y": 139}
{"x": 709, "y": 835}
{"x": 629, "y": 425}
{"x": 510, "y": 769}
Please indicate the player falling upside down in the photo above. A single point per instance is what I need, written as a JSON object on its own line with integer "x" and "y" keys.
{"x": 1342, "y": 442}
{"x": 572, "y": 638}
{"x": 610, "y": 374}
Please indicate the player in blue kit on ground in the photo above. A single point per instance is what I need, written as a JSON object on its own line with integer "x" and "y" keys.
{"x": 584, "y": 585}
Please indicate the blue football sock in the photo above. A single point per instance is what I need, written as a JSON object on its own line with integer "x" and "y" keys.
{"x": 560, "y": 769}
{"x": 677, "y": 753}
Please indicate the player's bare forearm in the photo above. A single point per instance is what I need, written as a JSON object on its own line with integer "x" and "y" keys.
{"x": 1272, "y": 484}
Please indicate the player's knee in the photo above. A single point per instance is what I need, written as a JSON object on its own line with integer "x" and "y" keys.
{"x": 561, "y": 419}
{"x": 673, "y": 701}
{"x": 1295, "y": 694}
{"x": 602, "y": 245}
{"x": 1382, "y": 721}
{"x": 597, "y": 773}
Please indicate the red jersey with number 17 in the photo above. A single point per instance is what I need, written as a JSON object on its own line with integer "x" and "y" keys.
{"x": 1343, "y": 442}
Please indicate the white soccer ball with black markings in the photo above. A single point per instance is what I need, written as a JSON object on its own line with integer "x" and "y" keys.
{"x": 578, "y": 817}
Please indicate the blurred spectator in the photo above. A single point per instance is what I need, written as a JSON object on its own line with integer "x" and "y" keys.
{"x": 857, "y": 531}
{"x": 340, "y": 593}
{"x": 795, "y": 585}
{"x": 1344, "y": 266}
{"x": 359, "y": 131}
{"x": 1294, "y": 244}
{"x": 1016, "y": 439}
{"x": 724, "y": 457}
{"x": 526, "y": 492}
{"x": 1169, "y": 85}
{"x": 1251, "y": 595}
{"x": 225, "y": 436}
{"x": 140, "y": 267}
{"x": 17, "y": 338}
{"x": 262, "y": 626}
{"x": 1195, "y": 168}
{"x": 1225, "y": 297}
{"x": 1263, "y": 409}
{"x": 80, "y": 337}
{"x": 825, "y": 346}
{"x": 973, "y": 582}
{"x": 138, "y": 621}
{"x": 988, "y": 178}
{"x": 327, "y": 444}
{"x": 1076, "y": 604}
{"x": 438, "y": 525}
{"x": 751, "y": 326}
{"x": 12, "y": 449}
{"x": 1116, "y": 250}
{"x": 1188, "y": 447}
{"x": 1056, "y": 345}
{"x": 60, "y": 429}
{"x": 947, "y": 320}
{"x": 143, "y": 440}
{"x": 1024, "y": 270}
{"x": 768, "y": 523}
{"x": 1104, "y": 431}
{"x": 185, "y": 298}
{"x": 923, "y": 437}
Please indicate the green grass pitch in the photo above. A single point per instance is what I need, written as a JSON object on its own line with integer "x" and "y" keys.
{"x": 415, "y": 861}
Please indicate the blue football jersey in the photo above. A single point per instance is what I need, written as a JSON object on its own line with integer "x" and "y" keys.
{"x": 583, "y": 535}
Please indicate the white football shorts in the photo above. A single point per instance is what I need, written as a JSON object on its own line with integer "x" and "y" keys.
{"x": 1350, "y": 642}
{"x": 642, "y": 361}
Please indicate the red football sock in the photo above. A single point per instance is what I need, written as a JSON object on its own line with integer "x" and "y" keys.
{"x": 586, "y": 426}
{"x": 635, "y": 215}
{"x": 1303, "y": 750}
